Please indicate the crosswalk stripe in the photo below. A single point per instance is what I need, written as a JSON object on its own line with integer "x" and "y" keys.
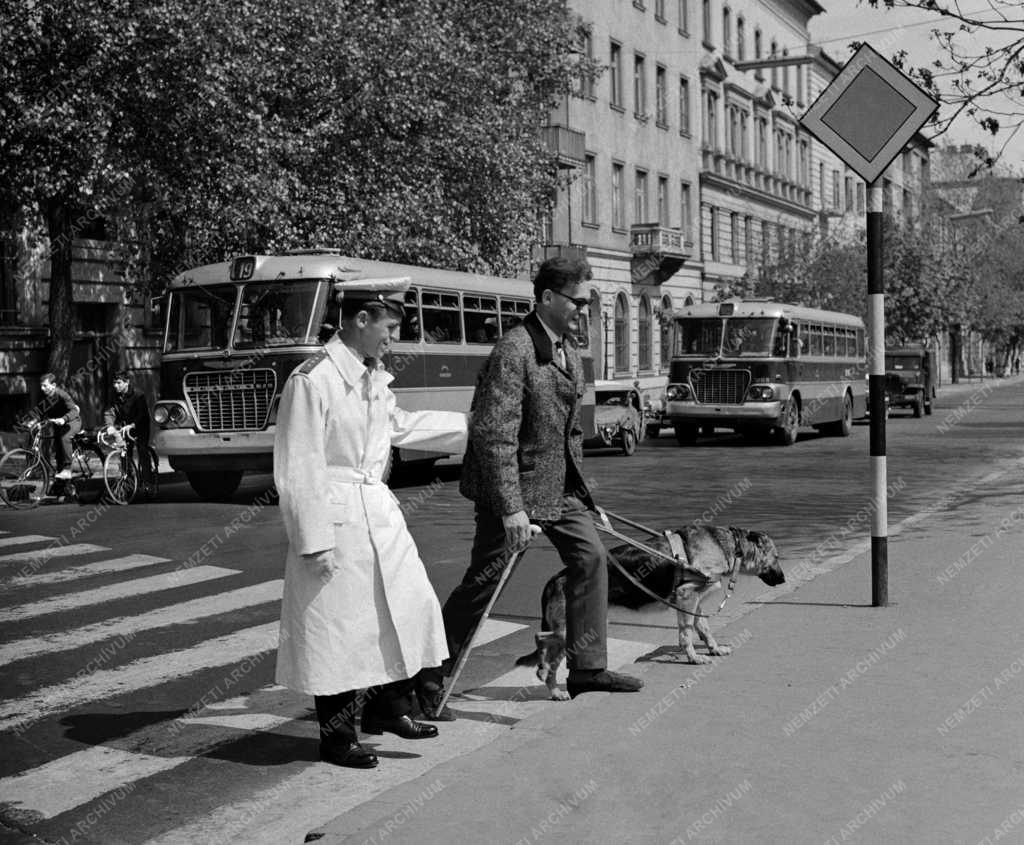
{"x": 128, "y": 626}
{"x": 293, "y": 806}
{"x": 68, "y": 782}
{"x": 73, "y": 573}
{"x": 124, "y": 589}
{"x": 41, "y": 556}
{"x": 73, "y": 780}
{"x": 145, "y": 672}
{"x": 23, "y": 540}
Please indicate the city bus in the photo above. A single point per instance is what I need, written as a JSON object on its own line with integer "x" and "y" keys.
{"x": 764, "y": 368}
{"x": 236, "y": 329}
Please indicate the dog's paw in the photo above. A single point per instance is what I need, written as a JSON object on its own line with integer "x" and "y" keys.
{"x": 698, "y": 658}
{"x": 720, "y": 650}
{"x": 559, "y": 695}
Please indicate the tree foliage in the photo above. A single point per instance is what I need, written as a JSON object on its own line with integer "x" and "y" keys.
{"x": 399, "y": 130}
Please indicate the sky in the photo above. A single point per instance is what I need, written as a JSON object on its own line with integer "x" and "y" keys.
{"x": 890, "y": 30}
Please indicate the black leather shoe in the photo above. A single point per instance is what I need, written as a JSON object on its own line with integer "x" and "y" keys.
{"x": 353, "y": 755}
{"x": 429, "y": 700}
{"x": 603, "y": 681}
{"x": 402, "y": 726}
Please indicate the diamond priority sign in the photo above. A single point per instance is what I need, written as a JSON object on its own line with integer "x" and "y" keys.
{"x": 868, "y": 113}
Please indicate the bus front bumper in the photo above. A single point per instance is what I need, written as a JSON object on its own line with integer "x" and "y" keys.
{"x": 189, "y": 450}
{"x": 749, "y": 413}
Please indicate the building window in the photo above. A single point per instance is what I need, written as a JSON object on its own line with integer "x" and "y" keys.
{"x": 766, "y": 242}
{"x": 835, "y": 190}
{"x": 659, "y": 10}
{"x": 734, "y": 238}
{"x": 713, "y": 233}
{"x": 665, "y": 331}
{"x": 908, "y": 203}
{"x": 758, "y": 52}
{"x": 762, "y": 142}
{"x": 748, "y": 239}
{"x": 685, "y": 212}
{"x": 660, "y": 96}
{"x": 684, "y": 106}
{"x": 589, "y": 186}
{"x": 587, "y": 79}
{"x": 785, "y": 75}
{"x": 848, "y": 194}
{"x": 684, "y": 16}
{"x": 644, "y": 338}
{"x": 799, "y": 70}
{"x": 621, "y": 334}
{"x": 860, "y": 197}
{"x": 821, "y": 185}
{"x": 707, "y": 22}
{"x": 741, "y": 37}
{"x": 711, "y": 120}
{"x": 727, "y": 32}
{"x": 775, "y": 71}
{"x": 640, "y": 197}
{"x": 663, "y": 201}
{"x": 639, "y": 87}
{"x": 618, "y": 209}
{"x": 615, "y": 74}
{"x": 805, "y": 163}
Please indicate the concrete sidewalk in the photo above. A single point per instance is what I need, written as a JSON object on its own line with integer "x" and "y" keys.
{"x": 833, "y": 721}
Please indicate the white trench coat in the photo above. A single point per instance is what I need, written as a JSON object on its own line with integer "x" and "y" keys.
{"x": 378, "y": 619}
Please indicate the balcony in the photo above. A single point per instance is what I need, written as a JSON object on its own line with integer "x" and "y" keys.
{"x": 658, "y": 252}
{"x": 568, "y": 145}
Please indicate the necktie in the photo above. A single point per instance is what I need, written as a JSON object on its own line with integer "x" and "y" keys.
{"x": 561, "y": 353}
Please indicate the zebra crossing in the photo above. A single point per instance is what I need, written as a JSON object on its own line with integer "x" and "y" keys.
{"x": 238, "y": 761}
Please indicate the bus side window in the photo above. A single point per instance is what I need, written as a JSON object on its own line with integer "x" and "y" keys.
{"x": 442, "y": 318}
{"x": 410, "y": 328}
{"x": 480, "y": 314}
{"x": 828, "y": 337}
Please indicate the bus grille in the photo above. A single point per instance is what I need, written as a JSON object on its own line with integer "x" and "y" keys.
{"x": 231, "y": 401}
{"x": 720, "y": 387}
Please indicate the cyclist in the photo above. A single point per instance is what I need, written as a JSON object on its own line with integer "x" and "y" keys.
{"x": 130, "y": 406}
{"x": 64, "y": 415}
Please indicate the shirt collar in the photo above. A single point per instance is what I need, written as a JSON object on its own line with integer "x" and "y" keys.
{"x": 351, "y": 365}
{"x": 554, "y": 338}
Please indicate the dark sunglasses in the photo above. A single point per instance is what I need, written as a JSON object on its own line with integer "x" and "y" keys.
{"x": 578, "y": 301}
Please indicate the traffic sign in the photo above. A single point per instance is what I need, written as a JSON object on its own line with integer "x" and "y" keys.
{"x": 868, "y": 113}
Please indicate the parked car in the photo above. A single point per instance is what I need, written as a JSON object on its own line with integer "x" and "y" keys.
{"x": 910, "y": 373}
{"x": 618, "y": 421}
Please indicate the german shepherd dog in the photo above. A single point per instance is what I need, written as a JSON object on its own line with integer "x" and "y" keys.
{"x": 710, "y": 554}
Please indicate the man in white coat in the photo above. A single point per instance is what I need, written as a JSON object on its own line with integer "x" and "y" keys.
{"x": 359, "y": 618}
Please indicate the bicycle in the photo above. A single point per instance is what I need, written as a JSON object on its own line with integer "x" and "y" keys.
{"x": 26, "y": 474}
{"x": 122, "y": 474}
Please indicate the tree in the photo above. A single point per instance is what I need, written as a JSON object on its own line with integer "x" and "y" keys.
{"x": 981, "y": 73}
{"x": 400, "y": 130}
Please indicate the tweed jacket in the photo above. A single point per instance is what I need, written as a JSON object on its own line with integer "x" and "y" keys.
{"x": 525, "y": 449}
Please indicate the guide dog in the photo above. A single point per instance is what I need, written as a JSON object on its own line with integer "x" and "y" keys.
{"x": 709, "y": 553}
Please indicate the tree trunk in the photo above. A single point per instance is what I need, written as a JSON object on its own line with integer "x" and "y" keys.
{"x": 62, "y": 308}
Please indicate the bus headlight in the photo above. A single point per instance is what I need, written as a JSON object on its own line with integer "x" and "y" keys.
{"x": 677, "y": 392}
{"x": 172, "y": 414}
{"x": 761, "y": 393}
{"x": 160, "y": 415}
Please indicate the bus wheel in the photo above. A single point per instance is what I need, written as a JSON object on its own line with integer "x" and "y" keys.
{"x": 686, "y": 435}
{"x": 928, "y": 407}
{"x": 215, "y": 486}
{"x": 843, "y": 426}
{"x": 786, "y": 431}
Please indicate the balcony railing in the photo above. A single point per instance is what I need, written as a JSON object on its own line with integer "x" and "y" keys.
{"x": 568, "y": 145}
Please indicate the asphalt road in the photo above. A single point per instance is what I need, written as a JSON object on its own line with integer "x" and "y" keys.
{"x": 86, "y": 684}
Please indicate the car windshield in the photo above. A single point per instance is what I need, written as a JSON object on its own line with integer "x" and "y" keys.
{"x": 200, "y": 317}
{"x": 276, "y": 314}
{"x": 903, "y": 363}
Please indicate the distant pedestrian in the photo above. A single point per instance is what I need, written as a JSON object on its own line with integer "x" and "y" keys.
{"x": 359, "y": 617}
{"x": 66, "y": 419}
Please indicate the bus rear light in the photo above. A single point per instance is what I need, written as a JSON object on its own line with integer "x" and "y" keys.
{"x": 761, "y": 393}
{"x": 677, "y": 392}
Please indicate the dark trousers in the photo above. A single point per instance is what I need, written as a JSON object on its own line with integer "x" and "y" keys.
{"x": 337, "y": 713}
{"x": 139, "y": 452}
{"x": 586, "y": 587}
{"x": 62, "y": 446}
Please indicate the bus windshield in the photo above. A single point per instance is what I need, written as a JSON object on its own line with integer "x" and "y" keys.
{"x": 200, "y": 317}
{"x": 729, "y": 337}
{"x": 276, "y": 314}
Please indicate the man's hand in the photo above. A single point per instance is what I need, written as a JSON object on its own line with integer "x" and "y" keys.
{"x": 111, "y": 430}
{"x": 518, "y": 531}
{"x": 324, "y": 564}
{"x": 58, "y": 420}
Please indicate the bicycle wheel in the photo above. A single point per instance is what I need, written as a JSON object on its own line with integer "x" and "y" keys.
{"x": 121, "y": 477}
{"x": 24, "y": 479}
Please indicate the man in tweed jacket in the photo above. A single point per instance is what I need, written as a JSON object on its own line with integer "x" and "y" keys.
{"x": 523, "y": 465}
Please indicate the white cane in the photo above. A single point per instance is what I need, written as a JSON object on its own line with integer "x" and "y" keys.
{"x": 460, "y": 663}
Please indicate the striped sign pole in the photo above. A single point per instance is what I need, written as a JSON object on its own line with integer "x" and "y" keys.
{"x": 876, "y": 400}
